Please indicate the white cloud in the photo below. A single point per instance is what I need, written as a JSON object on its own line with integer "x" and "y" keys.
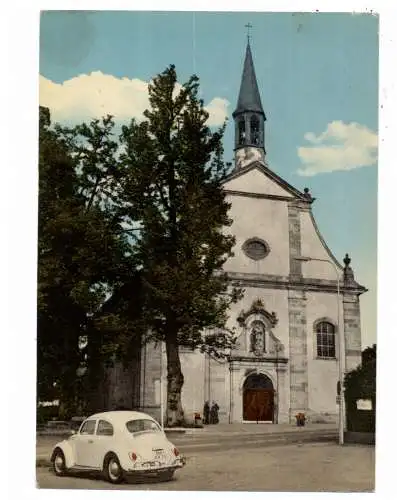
{"x": 95, "y": 95}
{"x": 217, "y": 110}
{"x": 342, "y": 146}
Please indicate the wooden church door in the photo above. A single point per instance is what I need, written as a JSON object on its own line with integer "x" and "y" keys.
{"x": 258, "y": 399}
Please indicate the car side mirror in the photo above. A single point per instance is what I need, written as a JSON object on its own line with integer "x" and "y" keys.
{"x": 73, "y": 432}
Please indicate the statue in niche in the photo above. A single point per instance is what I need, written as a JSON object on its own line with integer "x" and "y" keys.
{"x": 257, "y": 338}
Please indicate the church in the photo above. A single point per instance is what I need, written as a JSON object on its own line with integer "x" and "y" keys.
{"x": 300, "y": 308}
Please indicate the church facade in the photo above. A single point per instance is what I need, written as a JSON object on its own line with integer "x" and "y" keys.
{"x": 299, "y": 303}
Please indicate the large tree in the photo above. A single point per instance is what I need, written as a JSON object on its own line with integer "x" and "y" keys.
{"x": 173, "y": 185}
{"x": 83, "y": 253}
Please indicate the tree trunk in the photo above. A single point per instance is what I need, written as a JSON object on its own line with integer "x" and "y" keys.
{"x": 96, "y": 386}
{"x": 175, "y": 415}
{"x": 95, "y": 377}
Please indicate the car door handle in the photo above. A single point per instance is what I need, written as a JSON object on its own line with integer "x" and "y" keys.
{"x": 90, "y": 441}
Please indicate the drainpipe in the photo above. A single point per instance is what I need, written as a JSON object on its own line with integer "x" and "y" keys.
{"x": 144, "y": 380}
{"x": 209, "y": 379}
{"x": 230, "y": 392}
{"x": 277, "y": 385}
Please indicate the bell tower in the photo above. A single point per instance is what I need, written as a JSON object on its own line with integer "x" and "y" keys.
{"x": 249, "y": 118}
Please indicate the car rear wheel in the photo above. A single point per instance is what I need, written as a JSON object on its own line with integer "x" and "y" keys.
{"x": 112, "y": 469}
{"x": 58, "y": 463}
{"x": 167, "y": 475}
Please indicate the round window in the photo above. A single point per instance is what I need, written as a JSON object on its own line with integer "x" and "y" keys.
{"x": 256, "y": 248}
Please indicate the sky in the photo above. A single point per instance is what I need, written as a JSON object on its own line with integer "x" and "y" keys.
{"x": 318, "y": 79}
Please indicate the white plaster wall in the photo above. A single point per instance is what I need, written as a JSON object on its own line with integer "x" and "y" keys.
{"x": 256, "y": 181}
{"x": 311, "y": 246}
{"x": 193, "y": 369}
{"x": 322, "y": 373}
{"x": 265, "y": 219}
{"x": 218, "y": 388}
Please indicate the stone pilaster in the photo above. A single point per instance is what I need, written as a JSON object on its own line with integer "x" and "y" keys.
{"x": 294, "y": 229}
{"x": 298, "y": 352}
{"x": 282, "y": 395}
{"x": 233, "y": 394}
{"x": 352, "y": 330}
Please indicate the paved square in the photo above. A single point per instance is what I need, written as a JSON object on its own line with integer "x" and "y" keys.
{"x": 298, "y": 467}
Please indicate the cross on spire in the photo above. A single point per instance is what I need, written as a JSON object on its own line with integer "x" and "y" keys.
{"x": 248, "y": 26}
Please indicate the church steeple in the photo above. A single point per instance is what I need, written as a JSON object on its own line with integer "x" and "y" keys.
{"x": 249, "y": 116}
{"x": 249, "y": 98}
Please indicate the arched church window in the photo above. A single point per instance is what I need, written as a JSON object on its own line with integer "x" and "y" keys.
{"x": 257, "y": 338}
{"x": 241, "y": 131}
{"x": 254, "y": 124}
{"x": 325, "y": 335}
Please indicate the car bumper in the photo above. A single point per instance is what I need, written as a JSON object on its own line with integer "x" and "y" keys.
{"x": 156, "y": 469}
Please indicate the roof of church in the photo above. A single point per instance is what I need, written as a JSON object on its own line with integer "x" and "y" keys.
{"x": 249, "y": 98}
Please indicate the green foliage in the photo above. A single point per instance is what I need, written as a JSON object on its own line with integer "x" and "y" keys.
{"x": 361, "y": 384}
{"x": 174, "y": 180}
{"x": 82, "y": 251}
{"x": 175, "y": 171}
{"x": 46, "y": 413}
{"x": 132, "y": 242}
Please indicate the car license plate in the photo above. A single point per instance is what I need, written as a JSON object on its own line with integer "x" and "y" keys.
{"x": 150, "y": 465}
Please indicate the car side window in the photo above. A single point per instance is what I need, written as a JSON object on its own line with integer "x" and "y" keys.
{"x": 104, "y": 428}
{"x": 88, "y": 427}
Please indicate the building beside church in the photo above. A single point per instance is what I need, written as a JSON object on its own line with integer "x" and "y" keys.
{"x": 292, "y": 313}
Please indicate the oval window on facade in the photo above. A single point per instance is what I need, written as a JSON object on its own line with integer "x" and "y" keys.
{"x": 256, "y": 249}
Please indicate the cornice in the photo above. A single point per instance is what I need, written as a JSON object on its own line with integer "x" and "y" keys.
{"x": 256, "y": 359}
{"x": 250, "y": 194}
{"x": 293, "y": 283}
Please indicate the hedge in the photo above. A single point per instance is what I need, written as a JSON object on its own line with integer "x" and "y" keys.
{"x": 361, "y": 384}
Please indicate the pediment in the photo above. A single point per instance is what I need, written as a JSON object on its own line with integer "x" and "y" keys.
{"x": 258, "y": 179}
{"x": 257, "y": 307}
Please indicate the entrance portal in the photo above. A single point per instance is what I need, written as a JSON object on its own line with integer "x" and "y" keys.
{"x": 258, "y": 398}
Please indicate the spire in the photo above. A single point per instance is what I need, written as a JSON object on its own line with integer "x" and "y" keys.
{"x": 249, "y": 98}
{"x": 249, "y": 118}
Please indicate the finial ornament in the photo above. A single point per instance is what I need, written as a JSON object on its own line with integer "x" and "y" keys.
{"x": 348, "y": 271}
{"x": 248, "y": 26}
{"x": 347, "y": 260}
{"x": 306, "y": 193}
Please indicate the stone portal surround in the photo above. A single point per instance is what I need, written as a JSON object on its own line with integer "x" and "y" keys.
{"x": 241, "y": 367}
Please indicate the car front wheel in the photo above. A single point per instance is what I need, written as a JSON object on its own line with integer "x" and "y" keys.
{"x": 112, "y": 469}
{"x": 58, "y": 463}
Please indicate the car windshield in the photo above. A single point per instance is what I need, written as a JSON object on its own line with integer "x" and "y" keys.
{"x": 142, "y": 425}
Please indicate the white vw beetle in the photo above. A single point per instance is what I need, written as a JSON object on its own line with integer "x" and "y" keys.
{"x": 119, "y": 444}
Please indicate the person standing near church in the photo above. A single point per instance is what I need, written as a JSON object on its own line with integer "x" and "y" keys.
{"x": 206, "y": 413}
{"x": 214, "y": 419}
